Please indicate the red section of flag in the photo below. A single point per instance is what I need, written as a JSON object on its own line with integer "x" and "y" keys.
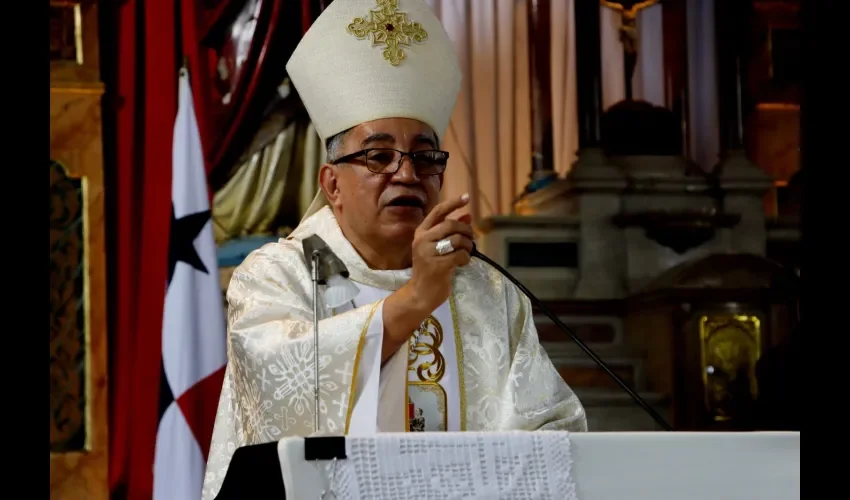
{"x": 199, "y": 407}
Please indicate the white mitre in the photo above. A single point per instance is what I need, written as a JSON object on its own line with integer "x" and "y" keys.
{"x": 364, "y": 60}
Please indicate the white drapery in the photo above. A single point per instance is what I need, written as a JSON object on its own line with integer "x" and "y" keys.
{"x": 648, "y": 81}
{"x": 490, "y": 134}
{"x": 704, "y": 133}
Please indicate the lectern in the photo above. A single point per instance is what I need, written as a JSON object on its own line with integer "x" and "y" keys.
{"x": 522, "y": 465}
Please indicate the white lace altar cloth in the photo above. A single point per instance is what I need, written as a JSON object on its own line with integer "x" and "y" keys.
{"x": 436, "y": 466}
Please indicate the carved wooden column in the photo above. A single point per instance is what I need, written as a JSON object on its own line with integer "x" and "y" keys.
{"x": 78, "y": 366}
{"x": 539, "y": 47}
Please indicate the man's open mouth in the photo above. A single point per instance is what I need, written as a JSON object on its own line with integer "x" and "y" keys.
{"x": 406, "y": 201}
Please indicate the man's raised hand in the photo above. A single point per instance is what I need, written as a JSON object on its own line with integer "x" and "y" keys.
{"x": 433, "y": 271}
{"x": 431, "y": 283}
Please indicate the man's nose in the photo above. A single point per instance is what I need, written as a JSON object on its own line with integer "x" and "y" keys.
{"x": 405, "y": 174}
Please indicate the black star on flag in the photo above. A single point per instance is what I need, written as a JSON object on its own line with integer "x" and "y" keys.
{"x": 181, "y": 246}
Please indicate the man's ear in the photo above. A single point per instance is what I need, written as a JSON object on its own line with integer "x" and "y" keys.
{"x": 328, "y": 183}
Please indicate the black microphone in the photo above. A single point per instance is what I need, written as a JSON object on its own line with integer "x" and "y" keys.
{"x": 534, "y": 300}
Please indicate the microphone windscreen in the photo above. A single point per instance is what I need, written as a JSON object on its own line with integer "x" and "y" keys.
{"x": 334, "y": 264}
{"x": 329, "y": 263}
{"x": 339, "y": 291}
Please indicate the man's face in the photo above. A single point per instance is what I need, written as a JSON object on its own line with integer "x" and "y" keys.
{"x": 383, "y": 206}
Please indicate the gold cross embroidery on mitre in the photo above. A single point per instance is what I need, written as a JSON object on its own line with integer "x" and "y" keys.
{"x": 389, "y": 28}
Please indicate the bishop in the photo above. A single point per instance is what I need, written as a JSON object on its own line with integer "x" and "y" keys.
{"x": 433, "y": 339}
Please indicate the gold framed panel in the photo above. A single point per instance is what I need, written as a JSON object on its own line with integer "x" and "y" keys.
{"x": 79, "y": 466}
{"x": 70, "y": 314}
{"x": 730, "y": 346}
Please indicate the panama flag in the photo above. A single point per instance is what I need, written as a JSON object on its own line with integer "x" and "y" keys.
{"x": 193, "y": 329}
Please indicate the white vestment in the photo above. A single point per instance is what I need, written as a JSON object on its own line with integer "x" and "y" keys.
{"x": 475, "y": 364}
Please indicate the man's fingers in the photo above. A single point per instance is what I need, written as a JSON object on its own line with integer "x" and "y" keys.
{"x": 441, "y": 211}
{"x": 461, "y": 258}
{"x": 461, "y": 242}
{"x": 447, "y": 228}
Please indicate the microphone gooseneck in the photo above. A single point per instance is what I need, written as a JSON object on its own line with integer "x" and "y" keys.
{"x": 534, "y": 300}
{"x": 315, "y": 260}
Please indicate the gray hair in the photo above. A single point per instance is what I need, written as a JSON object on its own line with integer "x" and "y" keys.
{"x": 334, "y": 145}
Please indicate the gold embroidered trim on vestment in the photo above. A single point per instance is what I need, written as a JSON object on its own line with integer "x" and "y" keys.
{"x": 407, "y": 394}
{"x": 459, "y": 348}
{"x": 360, "y": 345}
{"x": 427, "y": 340}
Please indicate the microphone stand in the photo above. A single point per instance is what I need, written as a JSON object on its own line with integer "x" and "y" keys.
{"x": 315, "y": 258}
{"x": 324, "y": 267}
{"x": 639, "y": 400}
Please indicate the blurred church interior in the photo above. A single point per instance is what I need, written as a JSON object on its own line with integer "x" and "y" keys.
{"x": 636, "y": 164}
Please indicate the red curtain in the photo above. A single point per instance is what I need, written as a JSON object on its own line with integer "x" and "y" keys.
{"x": 145, "y": 61}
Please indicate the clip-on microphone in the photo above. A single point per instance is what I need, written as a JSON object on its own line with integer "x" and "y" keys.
{"x": 652, "y": 413}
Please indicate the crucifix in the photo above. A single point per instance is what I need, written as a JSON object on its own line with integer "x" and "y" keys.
{"x": 628, "y": 10}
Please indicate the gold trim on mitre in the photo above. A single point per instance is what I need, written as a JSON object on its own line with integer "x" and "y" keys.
{"x": 390, "y": 28}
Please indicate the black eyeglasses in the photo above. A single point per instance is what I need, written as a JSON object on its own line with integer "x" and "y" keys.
{"x": 388, "y": 160}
